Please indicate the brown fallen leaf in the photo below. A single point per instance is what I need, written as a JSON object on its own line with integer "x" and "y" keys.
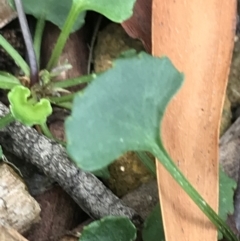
{"x": 17, "y": 208}
{"x": 139, "y": 25}
{"x": 7, "y": 14}
{"x": 198, "y": 36}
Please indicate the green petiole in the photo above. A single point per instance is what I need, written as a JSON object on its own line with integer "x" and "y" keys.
{"x": 15, "y": 55}
{"x": 65, "y": 105}
{"x": 146, "y": 160}
{"x": 73, "y": 82}
{"x": 64, "y": 98}
{"x": 75, "y": 10}
{"x": 48, "y": 134}
{"x": 171, "y": 167}
{"x": 38, "y": 37}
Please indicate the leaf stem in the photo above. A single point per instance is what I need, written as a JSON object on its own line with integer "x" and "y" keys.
{"x": 64, "y": 98}
{"x": 74, "y": 81}
{"x": 46, "y": 131}
{"x": 15, "y": 55}
{"x": 65, "y": 105}
{"x": 75, "y": 10}
{"x": 171, "y": 167}
{"x": 146, "y": 160}
{"x": 38, "y": 37}
{"x": 28, "y": 42}
{"x": 6, "y": 120}
{"x": 48, "y": 134}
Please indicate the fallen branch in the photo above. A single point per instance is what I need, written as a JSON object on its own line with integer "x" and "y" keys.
{"x": 50, "y": 157}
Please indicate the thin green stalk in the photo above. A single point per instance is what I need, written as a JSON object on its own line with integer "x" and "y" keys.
{"x": 146, "y": 160}
{"x": 65, "y": 105}
{"x": 66, "y": 30}
{"x": 46, "y": 131}
{"x": 64, "y": 98}
{"x": 48, "y": 134}
{"x": 38, "y": 37}
{"x": 171, "y": 167}
{"x": 15, "y": 55}
{"x": 6, "y": 120}
{"x": 74, "y": 81}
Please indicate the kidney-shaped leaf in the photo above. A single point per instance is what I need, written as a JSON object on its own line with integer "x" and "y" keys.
{"x": 121, "y": 110}
{"x": 109, "y": 229}
{"x": 117, "y": 10}
{"x": 24, "y": 110}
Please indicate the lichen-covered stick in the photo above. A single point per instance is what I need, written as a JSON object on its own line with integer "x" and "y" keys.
{"x": 50, "y": 157}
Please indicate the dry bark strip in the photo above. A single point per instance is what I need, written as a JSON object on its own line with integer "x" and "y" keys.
{"x": 18, "y": 208}
{"x": 50, "y": 157}
{"x": 9, "y": 234}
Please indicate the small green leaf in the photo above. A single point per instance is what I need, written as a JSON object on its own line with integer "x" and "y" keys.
{"x": 54, "y": 11}
{"x": 153, "y": 226}
{"x": 226, "y": 193}
{"x": 29, "y": 112}
{"x": 121, "y": 110}
{"x": 109, "y": 229}
{"x": 8, "y": 81}
{"x": 116, "y": 11}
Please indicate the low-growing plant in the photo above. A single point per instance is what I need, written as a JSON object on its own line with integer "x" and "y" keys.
{"x": 121, "y": 110}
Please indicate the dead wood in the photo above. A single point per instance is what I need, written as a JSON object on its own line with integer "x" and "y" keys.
{"x": 9, "y": 234}
{"x": 50, "y": 157}
{"x": 17, "y": 208}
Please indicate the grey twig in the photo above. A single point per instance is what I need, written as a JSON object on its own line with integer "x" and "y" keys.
{"x": 28, "y": 42}
{"x": 50, "y": 157}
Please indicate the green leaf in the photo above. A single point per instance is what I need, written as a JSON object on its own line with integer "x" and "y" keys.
{"x": 226, "y": 193}
{"x": 8, "y": 81}
{"x": 26, "y": 110}
{"x": 109, "y": 229}
{"x": 54, "y": 11}
{"x": 121, "y": 110}
{"x": 153, "y": 226}
{"x": 116, "y": 11}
